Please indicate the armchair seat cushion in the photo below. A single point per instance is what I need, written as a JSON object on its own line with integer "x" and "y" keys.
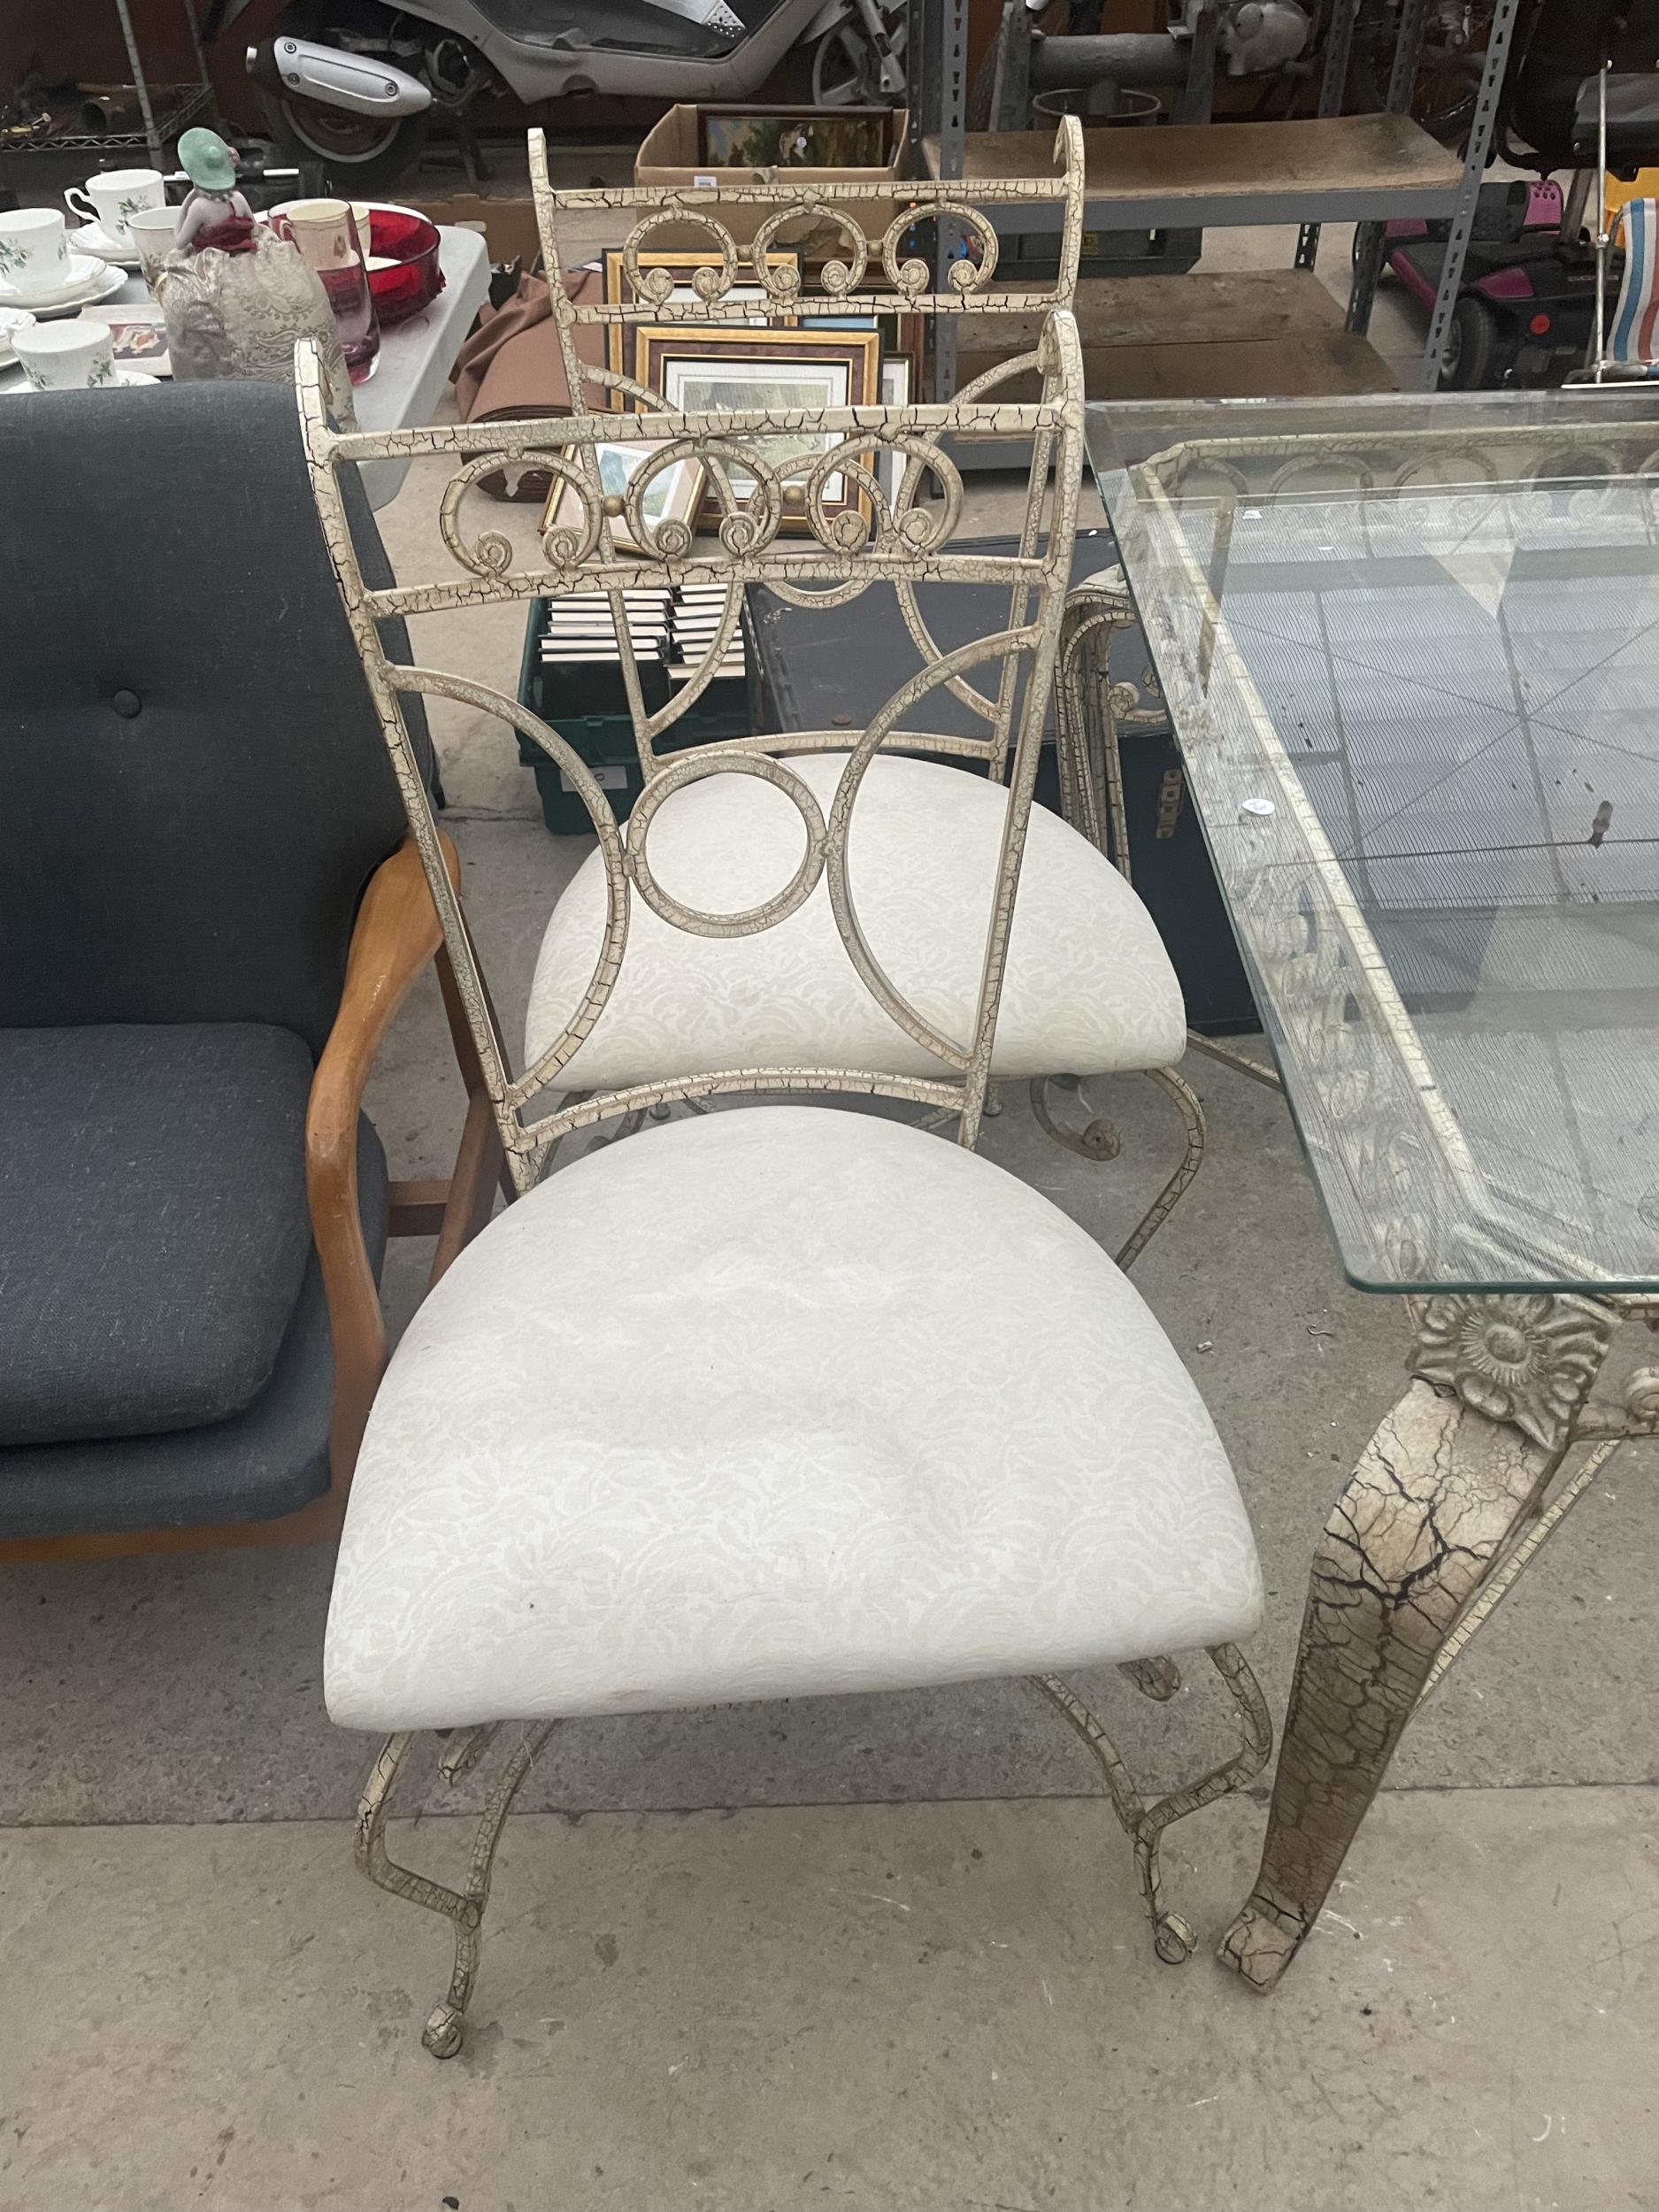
{"x": 269, "y": 1460}
{"x": 779, "y": 1401}
{"x": 153, "y": 1225}
{"x": 1089, "y": 988}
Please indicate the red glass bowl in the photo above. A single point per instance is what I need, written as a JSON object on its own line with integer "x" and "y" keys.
{"x": 409, "y": 243}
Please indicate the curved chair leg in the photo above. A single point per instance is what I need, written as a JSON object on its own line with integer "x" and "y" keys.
{"x": 1173, "y": 1937}
{"x": 447, "y": 2025}
{"x": 1099, "y": 1141}
{"x": 1164, "y": 1205}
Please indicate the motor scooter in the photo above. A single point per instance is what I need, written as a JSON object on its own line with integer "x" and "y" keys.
{"x": 356, "y": 84}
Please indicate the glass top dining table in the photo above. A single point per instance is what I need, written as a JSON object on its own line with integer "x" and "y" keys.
{"x": 1409, "y": 646}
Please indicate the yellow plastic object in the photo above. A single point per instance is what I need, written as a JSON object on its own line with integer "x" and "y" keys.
{"x": 1643, "y": 186}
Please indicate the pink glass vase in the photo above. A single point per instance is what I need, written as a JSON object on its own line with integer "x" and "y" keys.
{"x": 324, "y": 233}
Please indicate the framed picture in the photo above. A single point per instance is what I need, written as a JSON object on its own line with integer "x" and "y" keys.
{"x": 619, "y": 291}
{"x": 672, "y": 495}
{"x": 682, "y": 267}
{"x": 795, "y": 138}
{"x": 899, "y": 334}
{"x": 719, "y": 370}
{"x": 896, "y": 385}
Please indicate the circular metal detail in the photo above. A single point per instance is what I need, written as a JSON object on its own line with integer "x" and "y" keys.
{"x": 750, "y": 920}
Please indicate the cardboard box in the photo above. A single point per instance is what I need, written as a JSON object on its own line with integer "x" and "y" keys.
{"x": 669, "y": 156}
{"x": 509, "y": 225}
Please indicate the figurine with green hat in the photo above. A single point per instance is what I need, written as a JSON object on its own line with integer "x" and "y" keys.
{"x": 214, "y": 212}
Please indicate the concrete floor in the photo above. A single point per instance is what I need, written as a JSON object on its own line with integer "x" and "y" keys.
{"x": 947, "y": 2006}
{"x": 759, "y": 1963}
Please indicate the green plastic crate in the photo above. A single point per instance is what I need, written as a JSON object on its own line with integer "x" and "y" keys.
{"x": 585, "y": 702}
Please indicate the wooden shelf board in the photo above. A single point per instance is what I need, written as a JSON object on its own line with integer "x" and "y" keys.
{"x": 1332, "y": 169}
{"x": 1270, "y": 333}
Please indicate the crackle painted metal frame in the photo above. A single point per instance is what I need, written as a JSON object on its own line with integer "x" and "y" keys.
{"x": 898, "y": 541}
{"x": 1456, "y": 1494}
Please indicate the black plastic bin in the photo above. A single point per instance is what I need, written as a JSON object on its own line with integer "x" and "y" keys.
{"x": 585, "y": 702}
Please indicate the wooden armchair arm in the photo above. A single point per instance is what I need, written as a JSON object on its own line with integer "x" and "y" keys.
{"x": 396, "y": 935}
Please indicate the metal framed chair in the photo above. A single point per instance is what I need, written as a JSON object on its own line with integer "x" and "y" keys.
{"x": 786, "y": 1400}
{"x": 1112, "y": 1010}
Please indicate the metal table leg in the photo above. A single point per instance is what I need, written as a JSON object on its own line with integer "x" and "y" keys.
{"x": 1456, "y": 1473}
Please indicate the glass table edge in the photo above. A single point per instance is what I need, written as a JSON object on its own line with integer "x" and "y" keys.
{"x": 1115, "y": 482}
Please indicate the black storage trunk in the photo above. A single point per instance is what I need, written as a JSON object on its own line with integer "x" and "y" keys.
{"x": 813, "y": 672}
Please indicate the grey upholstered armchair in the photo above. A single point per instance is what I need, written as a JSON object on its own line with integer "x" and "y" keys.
{"x": 208, "y": 918}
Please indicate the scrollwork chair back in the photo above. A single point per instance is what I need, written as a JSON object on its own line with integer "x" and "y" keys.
{"x": 905, "y": 543}
{"x": 910, "y": 287}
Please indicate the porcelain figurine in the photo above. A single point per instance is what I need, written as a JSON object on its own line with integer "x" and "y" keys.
{"x": 213, "y": 205}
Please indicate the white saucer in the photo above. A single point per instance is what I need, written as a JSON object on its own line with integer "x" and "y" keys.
{"x": 94, "y": 239}
{"x": 122, "y": 376}
{"x": 90, "y": 279}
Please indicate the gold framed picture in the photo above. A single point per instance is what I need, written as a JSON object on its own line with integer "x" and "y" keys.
{"x": 682, "y": 268}
{"x": 897, "y": 383}
{"x": 717, "y": 369}
{"x": 794, "y": 138}
{"x": 672, "y": 495}
{"x": 746, "y": 301}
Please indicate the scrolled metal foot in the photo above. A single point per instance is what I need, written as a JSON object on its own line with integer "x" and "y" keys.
{"x": 1098, "y": 1139}
{"x": 1172, "y": 1936}
{"x": 445, "y": 2027}
{"x": 445, "y": 2031}
{"x": 1173, "y": 1939}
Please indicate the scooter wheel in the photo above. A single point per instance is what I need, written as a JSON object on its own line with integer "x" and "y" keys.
{"x": 363, "y": 156}
{"x": 1469, "y": 361}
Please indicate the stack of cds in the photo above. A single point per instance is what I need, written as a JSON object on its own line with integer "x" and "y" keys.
{"x": 673, "y": 624}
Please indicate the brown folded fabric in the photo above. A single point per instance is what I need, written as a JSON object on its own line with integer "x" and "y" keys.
{"x": 510, "y": 369}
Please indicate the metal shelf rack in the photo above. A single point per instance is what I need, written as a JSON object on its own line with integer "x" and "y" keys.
{"x": 1331, "y": 167}
{"x": 166, "y": 109}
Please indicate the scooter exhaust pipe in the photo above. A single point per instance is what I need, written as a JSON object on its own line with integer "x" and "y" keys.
{"x": 360, "y": 83}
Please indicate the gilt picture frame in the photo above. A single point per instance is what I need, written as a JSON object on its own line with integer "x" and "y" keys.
{"x": 674, "y": 495}
{"x": 794, "y": 138}
{"x": 745, "y": 303}
{"x": 717, "y": 369}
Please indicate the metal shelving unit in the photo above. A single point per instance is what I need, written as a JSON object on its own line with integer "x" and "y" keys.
{"x": 1331, "y": 167}
{"x": 164, "y": 109}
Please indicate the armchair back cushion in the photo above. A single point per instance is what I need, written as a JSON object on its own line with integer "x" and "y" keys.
{"x": 193, "y": 786}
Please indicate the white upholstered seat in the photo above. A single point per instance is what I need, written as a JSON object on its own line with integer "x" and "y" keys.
{"x": 781, "y": 1400}
{"x": 1089, "y": 988}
